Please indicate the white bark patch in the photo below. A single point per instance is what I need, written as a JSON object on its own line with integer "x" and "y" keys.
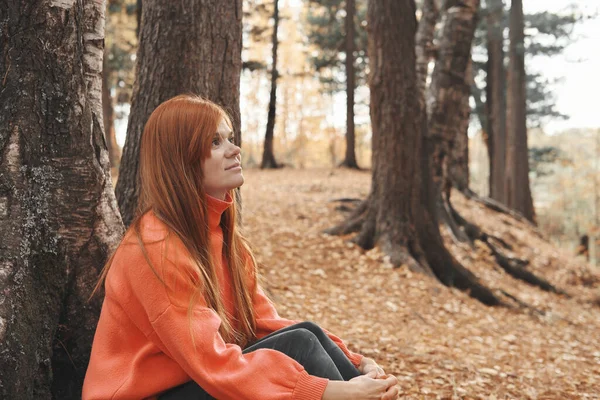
{"x": 2, "y": 328}
{"x": 3, "y": 206}
{"x": 13, "y": 159}
{"x": 66, "y": 4}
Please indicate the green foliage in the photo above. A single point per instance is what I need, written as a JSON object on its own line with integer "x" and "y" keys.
{"x": 542, "y": 158}
{"x": 326, "y": 30}
{"x": 546, "y": 34}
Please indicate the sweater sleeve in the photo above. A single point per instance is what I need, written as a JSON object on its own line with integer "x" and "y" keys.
{"x": 268, "y": 321}
{"x": 197, "y": 347}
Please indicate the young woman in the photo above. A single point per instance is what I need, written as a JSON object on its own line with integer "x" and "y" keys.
{"x": 183, "y": 316}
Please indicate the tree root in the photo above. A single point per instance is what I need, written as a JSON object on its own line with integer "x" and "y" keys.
{"x": 354, "y": 222}
{"x": 513, "y": 266}
{"x": 501, "y": 208}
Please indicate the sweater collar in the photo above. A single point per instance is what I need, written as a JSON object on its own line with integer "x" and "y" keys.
{"x": 216, "y": 208}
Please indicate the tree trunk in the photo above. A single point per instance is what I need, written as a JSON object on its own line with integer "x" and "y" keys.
{"x": 458, "y": 168}
{"x": 268, "y": 159}
{"x": 138, "y": 15}
{"x": 114, "y": 154}
{"x": 185, "y": 46}
{"x": 450, "y": 89}
{"x": 496, "y": 101}
{"x": 518, "y": 192}
{"x": 397, "y": 215}
{"x": 350, "y": 158}
{"x": 425, "y": 33}
{"x": 58, "y": 214}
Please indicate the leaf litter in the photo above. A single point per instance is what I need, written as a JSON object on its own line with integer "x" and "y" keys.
{"x": 438, "y": 341}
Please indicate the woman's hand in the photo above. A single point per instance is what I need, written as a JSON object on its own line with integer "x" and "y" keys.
{"x": 369, "y": 387}
{"x": 363, "y": 387}
{"x": 368, "y": 364}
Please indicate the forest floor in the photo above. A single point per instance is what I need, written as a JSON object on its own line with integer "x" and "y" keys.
{"x": 438, "y": 341}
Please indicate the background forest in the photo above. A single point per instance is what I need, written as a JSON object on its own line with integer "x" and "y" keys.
{"x": 422, "y": 177}
{"x": 310, "y": 122}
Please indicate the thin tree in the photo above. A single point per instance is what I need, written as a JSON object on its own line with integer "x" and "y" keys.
{"x": 58, "y": 214}
{"x": 397, "y": 216}
{"x": 496, "y": 99}
{"x": 268, "y": 159}
{"x": 350, "y": 157}
{"x": 518, "y": 191}
{"x": 185, "y": 46}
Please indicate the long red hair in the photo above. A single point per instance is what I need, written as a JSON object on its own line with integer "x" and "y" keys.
{"x": 175, "y": 141}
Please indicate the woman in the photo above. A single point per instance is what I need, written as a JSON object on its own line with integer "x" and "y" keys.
{"x": 183, "y": 316}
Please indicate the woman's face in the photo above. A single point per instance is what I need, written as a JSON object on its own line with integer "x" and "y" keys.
{"x": 223, "y": 167}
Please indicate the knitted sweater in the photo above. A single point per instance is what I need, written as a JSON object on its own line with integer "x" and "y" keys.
{"x": 143, "y": 344}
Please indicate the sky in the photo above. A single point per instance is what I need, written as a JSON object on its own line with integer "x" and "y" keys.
{"x": 577, "y": 94}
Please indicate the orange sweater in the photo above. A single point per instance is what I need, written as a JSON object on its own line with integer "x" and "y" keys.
{"x": 143, "y": 345}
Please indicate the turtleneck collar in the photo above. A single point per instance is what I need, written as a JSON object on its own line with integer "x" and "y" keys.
{"x": 216, "y": 208}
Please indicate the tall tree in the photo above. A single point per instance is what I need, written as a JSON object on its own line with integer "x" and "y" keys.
{"x": 449, "y": 90}
{"x": 268, "y": 159}
{"x": 518, "y": 192}
{"x": 58, "y": 214}
{"x": 496, "y": 100}
{"x": 399, "y": 213}
{"x": 186, "y": 46}
{"x": 342, "y": 52}
{"x": 350, "y": 157}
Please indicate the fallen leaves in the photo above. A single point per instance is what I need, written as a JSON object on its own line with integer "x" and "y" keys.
{"x": 439, "y": 342}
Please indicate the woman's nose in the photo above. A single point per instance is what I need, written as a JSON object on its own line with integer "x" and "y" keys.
{"x": 233, "y": 150}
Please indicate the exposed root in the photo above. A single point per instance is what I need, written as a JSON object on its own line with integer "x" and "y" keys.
{"x": 513, "y": 266}
{"x": 501, "y": 208}
{"x": 445, "y": 216}
{"x": 353, "y": 223}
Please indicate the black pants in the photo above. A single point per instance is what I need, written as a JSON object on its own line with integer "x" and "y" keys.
{"x": 304, "y": 342}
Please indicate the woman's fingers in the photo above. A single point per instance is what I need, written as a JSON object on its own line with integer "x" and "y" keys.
{"x": 391, "y": 380}
{"x": 391, "y": 394}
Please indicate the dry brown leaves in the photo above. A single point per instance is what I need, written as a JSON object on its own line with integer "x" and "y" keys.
{"x": 439, "y": 342}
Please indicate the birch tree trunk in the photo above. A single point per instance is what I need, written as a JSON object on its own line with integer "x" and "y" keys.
{"x": 518, "y": 191}
{"x": 268, "y": 159}
{"x": 425, "y": 48}
{"x": 187, "y": 46}
{"x": 449, "y": 89}
{"x": 496, "y": 100}
{"x": 58, "y": 214}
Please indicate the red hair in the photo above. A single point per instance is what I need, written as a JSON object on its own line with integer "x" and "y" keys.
{"x": 176, "y": 139}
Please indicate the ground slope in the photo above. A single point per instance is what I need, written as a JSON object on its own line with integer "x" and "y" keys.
{"x": 439, "y": 342}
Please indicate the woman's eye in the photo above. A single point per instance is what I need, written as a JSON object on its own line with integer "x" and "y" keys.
{"x": 216, "y": 142}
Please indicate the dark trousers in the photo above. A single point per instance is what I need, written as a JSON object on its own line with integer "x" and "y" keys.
{"x": 304, "y": 342}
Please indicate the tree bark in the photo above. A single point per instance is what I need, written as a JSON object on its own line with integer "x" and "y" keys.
{"x": 496, "y": 100}
{"x": 425, "y": 49}
{"x": 350, "y": 158}
{"x": 185, "y": 46}
{"x": 58, "y": 214}
{"x": 449, "y": 90}
{"x": 397, "y": 215}
{"x": 114, "y": 153}
{"x": 268, "y": 159}
{"x": 518, "y": 192}
{"x": 458, "y": 168}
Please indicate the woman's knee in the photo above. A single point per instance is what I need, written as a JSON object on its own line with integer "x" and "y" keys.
{"x": 310, "y": 326}
{"x": 302, "y": 336}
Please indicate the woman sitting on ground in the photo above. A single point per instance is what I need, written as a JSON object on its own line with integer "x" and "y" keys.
{"x": 183, "y": 316}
